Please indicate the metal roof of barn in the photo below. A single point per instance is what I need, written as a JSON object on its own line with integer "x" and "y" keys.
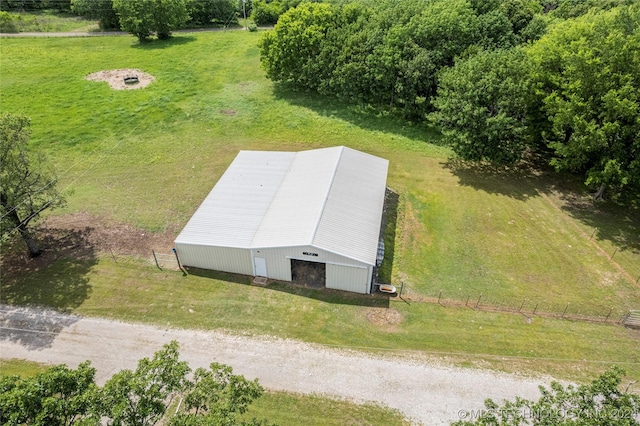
{"x": 330, "y": 198}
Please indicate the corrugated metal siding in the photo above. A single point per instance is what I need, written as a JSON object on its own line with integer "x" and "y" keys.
{"x": 234, "y": 209}
{"x": 278, "y": 266}
{"x": 348, "y": 278}
{"x": 350, "y": 222}
{"x": 226, "y": 259}
{"x": 296, "y": 208}
{"x": 279, "y": 259}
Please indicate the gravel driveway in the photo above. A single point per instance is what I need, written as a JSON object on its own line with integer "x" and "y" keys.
{"x": 424, "y": 391}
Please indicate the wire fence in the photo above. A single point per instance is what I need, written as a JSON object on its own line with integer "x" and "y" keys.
{"x": 525, "y": 306}
{"x": 165, "y": 260}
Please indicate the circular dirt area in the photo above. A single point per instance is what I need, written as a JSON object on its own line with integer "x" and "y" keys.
{"x": 116, "y": 78}
{"x": 384, "y": 316}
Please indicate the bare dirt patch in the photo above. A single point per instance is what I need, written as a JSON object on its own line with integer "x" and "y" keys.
{"x": 80, "y": 236}
{"x": 115, "y": 78}
{"x": 384, "y": 316}
{"x": 112, "y": 237}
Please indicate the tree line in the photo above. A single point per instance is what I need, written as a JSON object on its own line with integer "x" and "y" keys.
{"x": 142, "y": 17}
{"x": 201, "y": 12}
{"x": 504, "y": 80}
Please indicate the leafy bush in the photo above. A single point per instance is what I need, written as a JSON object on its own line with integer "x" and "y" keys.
{"x": 482, "y": 106}
{"x": 266, "y": 13}
{"x": 143, "y": 17}
{"x": 102, "y": 10}
{"x": 8, "y": 23}
{"x": 204, "y": 12}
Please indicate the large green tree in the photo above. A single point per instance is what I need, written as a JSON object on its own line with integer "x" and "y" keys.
{"x": 102, "y": 10}
{"x": 27, "y": 185}
{"x": 144, "y": 17}
{"x": 482, "y": 106}
{"x": 140, "y": 397}
{"x": 216, "y": 397}
{"x": 587, "y": 77}
{"x": 58, "y": 396}
{"x": 289, "y": 52}
{"x": 412, "y": 54}
{"x": 601, "y": 403}
{"x": 204, "y": 12}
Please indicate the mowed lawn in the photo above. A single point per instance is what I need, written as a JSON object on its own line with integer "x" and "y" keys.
{"x": 147, "y": 158}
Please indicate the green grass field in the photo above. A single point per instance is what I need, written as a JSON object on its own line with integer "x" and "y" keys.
{"x": 19, "y": 367}
{"x": 148, "y": 157}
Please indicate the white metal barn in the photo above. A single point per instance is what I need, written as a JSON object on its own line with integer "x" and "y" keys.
{"x": 271, "y": 209}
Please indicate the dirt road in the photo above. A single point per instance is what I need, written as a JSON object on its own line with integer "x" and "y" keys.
{"x": 425, "y": 392}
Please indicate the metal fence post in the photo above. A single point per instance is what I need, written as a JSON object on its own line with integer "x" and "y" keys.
{"x": 479, "y": 298}
{"x": 156, "y": 259}
{"x": 608, "y": 315}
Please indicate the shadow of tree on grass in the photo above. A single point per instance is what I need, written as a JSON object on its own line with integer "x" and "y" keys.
{"x": 154, "y": 44}
{"x": 519, "y": 183}
{"x": 617, "y": 223}
{"x": 57, "y": 279}
{"x": 363, "y": 117}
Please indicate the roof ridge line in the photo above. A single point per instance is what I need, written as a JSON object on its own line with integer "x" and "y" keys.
{"x": 326, "y": 197}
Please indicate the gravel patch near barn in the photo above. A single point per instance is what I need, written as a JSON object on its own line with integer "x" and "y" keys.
{"x": 424, "y": 391}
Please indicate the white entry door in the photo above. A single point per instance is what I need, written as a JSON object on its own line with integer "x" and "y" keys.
{"x": 261, "y": 266}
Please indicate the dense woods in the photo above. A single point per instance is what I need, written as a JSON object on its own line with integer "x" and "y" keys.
{"x": 504, "y": 80}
